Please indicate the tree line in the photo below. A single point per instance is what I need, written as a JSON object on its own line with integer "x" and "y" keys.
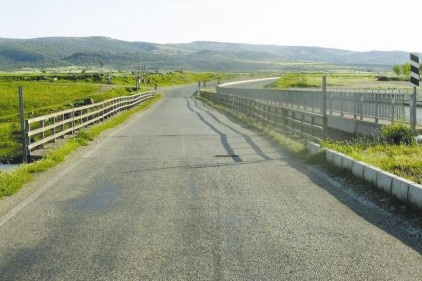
{"x": 403, "y": 70}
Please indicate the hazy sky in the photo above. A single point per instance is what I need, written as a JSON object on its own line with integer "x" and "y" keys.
{"x": 361, "y": 25}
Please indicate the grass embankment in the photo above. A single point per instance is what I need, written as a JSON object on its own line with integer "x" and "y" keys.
{"x": 402, "y": 160}
{"x": 41, "y": 98}
{"x": 12, "y": 181}
{"x": 51, "y": 92}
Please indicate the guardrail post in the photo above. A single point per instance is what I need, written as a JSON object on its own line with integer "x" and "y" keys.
{"x": 62, "y": 129}
{"x": 392, "y": 110}
{"x": 41, "y": 125}
{"x": 361, "y": 106}
{"x": 324, "y": 106}
{"x": 342, "y": 104}
{"x": 73, "y": 120}
{"x": 23, "y": 128}
{"x": 53, "y": 131}
{"x": 313, "y": 101}
{"x": 355, "y": 106}
{"x": 413, "y": 109}
{"x": 306, "y": 98}
{"x": 302, "y": 127}
{"x": 313, "y": 126}
{"x": 27, "y": 140}
{"x": 376, "y": 108}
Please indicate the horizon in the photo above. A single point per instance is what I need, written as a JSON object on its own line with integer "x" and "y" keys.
{"x": 205, "y": 41}
{"x": 357, "y": 25}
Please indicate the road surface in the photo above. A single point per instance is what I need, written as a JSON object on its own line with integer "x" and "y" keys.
{"x": 183, "y": 193}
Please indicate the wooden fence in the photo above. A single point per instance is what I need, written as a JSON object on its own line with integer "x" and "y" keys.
{"x": 49, "y": 128}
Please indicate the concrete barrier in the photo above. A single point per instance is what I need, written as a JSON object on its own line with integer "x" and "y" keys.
{"x": 403, "y": 189}
{"x": 370, "y": 174}
{"x": 329, "y": 155}
{"x": 338, "y": 159}
{"x": 358, "y": 168}
{"x": 400, "y": 188}
{"x": 384, "y": 180}
{"x": 347, "y": 162}
{"x": 415, "y": 195}
{"x": 313, "y": 148}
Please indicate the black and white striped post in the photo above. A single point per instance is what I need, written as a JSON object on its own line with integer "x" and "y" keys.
{"x": 414, "y": 79}
{"x": 414, "y": 70}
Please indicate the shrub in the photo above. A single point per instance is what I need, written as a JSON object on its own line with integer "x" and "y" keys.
{"x": 398, "y": 133}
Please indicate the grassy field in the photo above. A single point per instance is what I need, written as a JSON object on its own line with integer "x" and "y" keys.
{"x": 402, "y": 160}
{"x": 51, "y": 92}
{"x": 41, "y": 98}
{"x": 12, "y": 181}
{"x": 338, "y": 81}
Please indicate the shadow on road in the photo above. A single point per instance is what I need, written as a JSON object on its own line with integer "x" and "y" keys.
{"x": 362, "y": 199}
{"x": 224, "y": 140}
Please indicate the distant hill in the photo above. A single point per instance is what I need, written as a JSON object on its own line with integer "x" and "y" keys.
{"x": 195, "y": 56}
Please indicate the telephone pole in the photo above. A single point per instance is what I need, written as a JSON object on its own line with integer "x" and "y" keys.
{"x": 137, "y": 80}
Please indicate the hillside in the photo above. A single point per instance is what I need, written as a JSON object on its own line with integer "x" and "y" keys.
{"x": 195, "y": 56}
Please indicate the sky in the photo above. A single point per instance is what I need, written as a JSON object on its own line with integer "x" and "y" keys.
{"x": 358, "y": 25}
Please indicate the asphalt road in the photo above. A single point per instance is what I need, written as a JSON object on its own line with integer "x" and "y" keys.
{"x": 180, "y": 192}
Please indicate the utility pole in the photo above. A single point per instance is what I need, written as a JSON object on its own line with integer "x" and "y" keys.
{"x": 138, "y": 80}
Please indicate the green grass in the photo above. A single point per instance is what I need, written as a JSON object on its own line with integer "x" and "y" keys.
{"x": 46, "y": 93}
{"x": 12, "y": 181}
{"x": 402, "y": 160}
{"x": 337, "y": 80}
{"x": 41, "y": 98}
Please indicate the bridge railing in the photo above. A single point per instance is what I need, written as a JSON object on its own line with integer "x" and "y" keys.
{"x": 296, "y": 121}
{"x": 376, "y": 105}
{"x": 48, "y": 128}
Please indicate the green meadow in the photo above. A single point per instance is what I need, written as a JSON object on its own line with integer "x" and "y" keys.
{"x": 46, "y": 93}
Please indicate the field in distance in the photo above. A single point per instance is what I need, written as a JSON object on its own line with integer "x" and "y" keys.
{"x": 48, "y": 92}
{"x": 356, "y": 80}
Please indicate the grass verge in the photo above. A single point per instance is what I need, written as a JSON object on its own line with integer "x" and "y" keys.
{"x": 12, "y": 181}
{"x": 402, "y": 160}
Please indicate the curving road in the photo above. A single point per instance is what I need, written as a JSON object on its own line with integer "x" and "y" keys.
{"x": 183, "y": 193}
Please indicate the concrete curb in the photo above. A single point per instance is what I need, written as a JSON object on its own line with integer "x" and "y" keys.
{"x": 405, "y": 190}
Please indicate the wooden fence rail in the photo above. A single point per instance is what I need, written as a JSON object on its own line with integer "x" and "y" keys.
{"x": 49, "y": 128}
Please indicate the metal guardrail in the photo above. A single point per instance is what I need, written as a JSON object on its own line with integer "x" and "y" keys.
{"x": 296, "y": 121}
{"x": 49, "y": 128}
{"x": 377, "y": 105}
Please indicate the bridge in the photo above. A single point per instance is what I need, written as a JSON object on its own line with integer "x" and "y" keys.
{"x": 182, "y": 192}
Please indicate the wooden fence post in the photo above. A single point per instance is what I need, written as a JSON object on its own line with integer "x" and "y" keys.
{"x": 23, "y": 128}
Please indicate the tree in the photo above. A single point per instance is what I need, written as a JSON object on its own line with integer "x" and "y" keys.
{"x": 397, "y": 70}
{"x": 406, "y": 70}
